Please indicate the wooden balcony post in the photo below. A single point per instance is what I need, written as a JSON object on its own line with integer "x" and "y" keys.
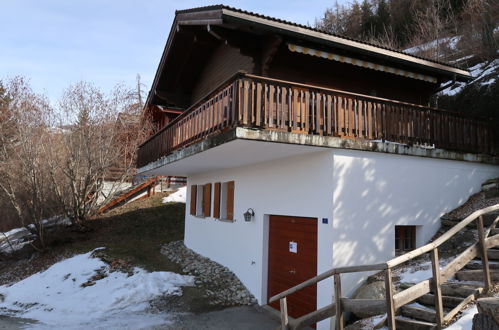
{"x": 284, "y": 313}
{"x": 390, "y": 306}
{"x": 339, "y": 309}
{"x": 485, "y": 259}
{"x": 437, "y": 290}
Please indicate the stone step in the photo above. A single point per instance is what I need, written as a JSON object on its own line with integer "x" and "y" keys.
{"x": 406, "y": 324}
{"x": 448, "y": 301}
{"x": 478, "y": 265}
{"x": 493, "y": 254}
{"x": 459, "y": 290}
{"x": 418, "y": 313}
{"x": 488, "y": 219}
{"x": 476, "y": 275}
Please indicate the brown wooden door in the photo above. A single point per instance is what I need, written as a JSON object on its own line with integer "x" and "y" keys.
{"x": 292, "y": 260}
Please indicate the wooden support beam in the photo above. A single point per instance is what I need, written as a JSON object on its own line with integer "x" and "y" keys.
{"x": 483, "y": 251}
{"x": 437, "y": 290}
{"x": 340, "y": 322}
{"x": 390, "y": 305}
{"x": 284, "y": 314}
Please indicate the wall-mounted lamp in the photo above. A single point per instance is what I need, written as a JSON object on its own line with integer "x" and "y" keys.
{"x": 248, "y": 215}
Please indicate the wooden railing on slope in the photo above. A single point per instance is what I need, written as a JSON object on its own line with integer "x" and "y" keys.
{"x": 128, "y": 194}
{"x": 257, "y": 102}
{"x": 395, "y": 301}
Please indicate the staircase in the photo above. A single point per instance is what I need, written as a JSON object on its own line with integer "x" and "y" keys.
{"x": 129, "y": 194}
{"x": 469, "y": 282}
{"x": 429, "y": 304}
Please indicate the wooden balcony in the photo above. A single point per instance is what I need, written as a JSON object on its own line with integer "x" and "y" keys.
{"x": 268, "y": 104}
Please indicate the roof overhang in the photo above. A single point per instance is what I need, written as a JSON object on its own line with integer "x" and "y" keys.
{"x": 222, "y": 15}
{"x": 230, "y": 15}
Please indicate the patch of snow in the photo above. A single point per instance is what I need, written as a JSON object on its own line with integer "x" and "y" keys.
{"x": 450, "y": 42}
{"x": 176, "y": 197}
{"x": 415, "y": 275}
{"x": 17, "y": 238}
{"x": 461, "y": 59}
{"x": 488, "y": 82}
{"x": 56, "y": 298}
{"x": 466, "y": 320}
{"x": 419, "y": 272}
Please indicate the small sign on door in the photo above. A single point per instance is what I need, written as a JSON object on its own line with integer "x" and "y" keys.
{"x": 293, "y": 247}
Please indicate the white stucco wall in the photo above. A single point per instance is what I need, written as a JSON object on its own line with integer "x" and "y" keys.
{"x": 373, "y": 192}
{"x": 363, "y": 194}
{"x": 297, "y": 186}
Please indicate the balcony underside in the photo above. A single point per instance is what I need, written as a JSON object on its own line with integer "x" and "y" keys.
{"x": 242, "y": 146}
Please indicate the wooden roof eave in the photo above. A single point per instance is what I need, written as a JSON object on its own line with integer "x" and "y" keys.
{"x": 231, "y": 16}
{"x": 212, "y": 17}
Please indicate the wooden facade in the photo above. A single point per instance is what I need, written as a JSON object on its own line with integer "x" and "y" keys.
{"x": 199, "y": 89}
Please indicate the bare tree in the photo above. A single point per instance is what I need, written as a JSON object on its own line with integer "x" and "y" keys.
{"x": 23, "y": 171}
{"x": 432, "y": 24}
{"x": 90, "y": 144}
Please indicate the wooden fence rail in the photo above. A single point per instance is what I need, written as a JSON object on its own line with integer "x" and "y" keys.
{"x": 252, "y": 101}
{"x": 396, "y": 300}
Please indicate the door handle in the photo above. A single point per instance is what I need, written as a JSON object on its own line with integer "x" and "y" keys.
{"x": 292, "y": 271}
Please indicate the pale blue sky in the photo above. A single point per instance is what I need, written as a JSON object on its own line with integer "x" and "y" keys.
{"x": 58, "y": 42}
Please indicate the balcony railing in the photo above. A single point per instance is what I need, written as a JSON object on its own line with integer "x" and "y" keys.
{"x": 252, "y": 101}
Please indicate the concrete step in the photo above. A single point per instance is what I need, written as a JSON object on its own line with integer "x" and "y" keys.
{"x": 459, "y": 290}
{"x": 406, "y": 324}
{"x": 476, "y": 275}
{"x": 418, "y": 313}
{"x": 448, "y": 301}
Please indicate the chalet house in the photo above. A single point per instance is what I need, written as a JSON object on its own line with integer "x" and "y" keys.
{"x": 305, "y": 150}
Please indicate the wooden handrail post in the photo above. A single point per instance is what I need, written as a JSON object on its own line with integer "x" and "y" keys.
{"x": 437, "y": 290}
{"x": 390, "y": 307}
{"x": 284, "y": 314}
{"x": 485, "y": 259}
{"x": 339, "y": 308}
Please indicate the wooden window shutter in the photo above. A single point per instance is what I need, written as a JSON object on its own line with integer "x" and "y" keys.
{"x": 216, "y": 201}
{"x": 207, "y": 200}
{"x": 194, "y": 192}
{"x": 230, "y": 200}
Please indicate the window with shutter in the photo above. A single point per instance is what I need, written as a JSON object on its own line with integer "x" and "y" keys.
{"x": 227, "y": 201}
{"x": 207, "y": 200}
{"x": 193, "y": 199}
{"x": 230, "y": 200}
{"x": 216, "y": 200}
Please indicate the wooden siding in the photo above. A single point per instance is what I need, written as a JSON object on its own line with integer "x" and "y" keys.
{"x": 263, "y": 103}
{"x": 224, "y": 63}
{"x": 322, "y": 72}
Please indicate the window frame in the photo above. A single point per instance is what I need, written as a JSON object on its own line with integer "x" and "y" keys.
{"x": 405, "y": 238}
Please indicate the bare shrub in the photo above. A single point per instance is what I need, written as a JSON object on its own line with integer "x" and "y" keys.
{"x": 23, "y": 172}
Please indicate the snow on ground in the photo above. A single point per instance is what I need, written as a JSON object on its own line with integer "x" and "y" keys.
{"x": 479, "y": 72}
{"x": 17, "y": 238}
{"x": 178, "y": 196}
{"x": 56, "y": 298}
{"x": 419, "y": 272}
{"x": 416, "y": 274}
{"x": 466, "y": 320}
{"x": 450, "y": 42}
